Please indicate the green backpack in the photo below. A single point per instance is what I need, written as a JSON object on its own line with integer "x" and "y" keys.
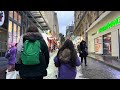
{"x": 30, "y": 53}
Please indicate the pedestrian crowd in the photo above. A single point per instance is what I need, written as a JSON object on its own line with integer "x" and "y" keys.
{"x": 30, "y": 57}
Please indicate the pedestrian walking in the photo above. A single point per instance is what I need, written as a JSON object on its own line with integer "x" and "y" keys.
{"x": 83, "y": 52}
{"x": 33, "y": 55}
{"x": 66, "y": 60}
{"x": 11, "y": 56}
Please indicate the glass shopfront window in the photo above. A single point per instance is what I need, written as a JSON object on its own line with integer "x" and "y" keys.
{"x": 15, "y": 33}
{"x": 15, "y": 16}
{"x": 18, "y": 34}
{"x": 11, "y": 14}
{"x": 107, "y": 44}
{"x": 19, "y": 18}
{"x": 3, "y": 42}
{"x": 10, "y": 33}
{"x": 99, "y": 45}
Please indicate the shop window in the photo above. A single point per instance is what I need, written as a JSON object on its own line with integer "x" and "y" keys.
{"x": 98, "y": 45}
{"x": 10, "y": 33}
{"x": 15, "y": 15}
{"x": 11, "y": 14}
{"x": 18, "y": 34}
{"x": 19, "y": 18}
{"x": 3, "y": 41}
{"x": 15, "y": 33}
{"x": 107, "y": 44}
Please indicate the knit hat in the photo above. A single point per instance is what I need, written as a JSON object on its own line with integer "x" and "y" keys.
{"x": 13, "y": 44}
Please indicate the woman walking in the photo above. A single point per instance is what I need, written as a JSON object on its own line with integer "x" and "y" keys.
{"x": 66, "y": 61}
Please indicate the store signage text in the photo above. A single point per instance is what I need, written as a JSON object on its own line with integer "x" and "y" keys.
{"x": 2, "y": 18}
{"x": 110, "y": 25}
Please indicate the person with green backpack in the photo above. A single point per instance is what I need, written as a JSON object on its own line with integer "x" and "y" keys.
{"x": 33, "y": 55}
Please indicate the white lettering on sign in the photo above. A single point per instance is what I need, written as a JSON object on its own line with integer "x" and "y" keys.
{"x": 2, "y": 18}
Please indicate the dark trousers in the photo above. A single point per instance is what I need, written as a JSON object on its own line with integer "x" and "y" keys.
{"x": 84, "y": 60}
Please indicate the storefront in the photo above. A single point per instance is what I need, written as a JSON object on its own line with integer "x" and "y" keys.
{"x": 103, "y": 38}
{"x": 3, "y": 32}
{"x": 12, "y": 25}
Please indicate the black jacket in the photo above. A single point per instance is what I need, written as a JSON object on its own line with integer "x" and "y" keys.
{"x": 83, "y": 50}
{"x": 40, "y": 69}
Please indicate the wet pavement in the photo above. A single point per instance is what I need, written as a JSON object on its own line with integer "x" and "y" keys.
{"x": 3, "y": 66}
{"x": 94, "y": 70}
{"x": 108, "y": 60}
{"x": 98, "y": 70}
{"x": 53, "y": 71}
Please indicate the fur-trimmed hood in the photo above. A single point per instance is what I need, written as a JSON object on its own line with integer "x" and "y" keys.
{"x": 32, "y": 36}
{"x": 64, "y": 56}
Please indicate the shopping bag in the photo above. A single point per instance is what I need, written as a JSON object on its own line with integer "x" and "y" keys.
{"x": 12, "y": 75}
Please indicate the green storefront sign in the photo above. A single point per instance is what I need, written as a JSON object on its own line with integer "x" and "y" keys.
{"x": 110, "y": 25}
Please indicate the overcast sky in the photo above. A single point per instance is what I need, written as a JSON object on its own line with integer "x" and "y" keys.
{"x": 65, "y": 18}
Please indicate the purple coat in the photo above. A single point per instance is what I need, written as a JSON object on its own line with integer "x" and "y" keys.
{"x": 13, "y": 52}
{"x": 65, "y": 71}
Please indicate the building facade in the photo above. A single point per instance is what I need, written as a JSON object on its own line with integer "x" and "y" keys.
{"x": 53, "y": 30}
{"x": 14, "y": 23}
{"x": 102, "y": 31}
{"x": 69, "y": 31}
{"x": 56, "y": 27}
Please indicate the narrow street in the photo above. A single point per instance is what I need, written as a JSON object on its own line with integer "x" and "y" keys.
{"x": 93, "y": 70}
{"x": 52, "y": 70}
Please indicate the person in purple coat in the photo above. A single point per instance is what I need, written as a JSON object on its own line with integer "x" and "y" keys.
{"x": 11, "y": 56}
{"x": 66, "y": 60}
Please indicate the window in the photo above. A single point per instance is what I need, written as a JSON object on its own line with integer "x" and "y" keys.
{"x": 15, "y": 33}
{"x": 9, "y": 33}
{"x": 18, "y": 34}
{"x": 11, "y": 14}
{"x": 3, "y": 42}
{"x": 19, "y": 18}
{"x": 15, "y": 16}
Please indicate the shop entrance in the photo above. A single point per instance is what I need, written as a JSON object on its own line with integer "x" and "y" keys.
{"x": 107, "y": 44}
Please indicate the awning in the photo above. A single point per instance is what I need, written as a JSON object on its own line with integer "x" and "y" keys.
{"x": 38, "y": 19}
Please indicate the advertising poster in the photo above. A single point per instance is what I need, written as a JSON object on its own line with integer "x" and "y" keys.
{"x": 107, "y": 44}
{"x": 99, "y": 45}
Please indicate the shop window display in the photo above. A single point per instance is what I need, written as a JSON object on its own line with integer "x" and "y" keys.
{"x": 3, "y": 41}
{"x": 11, "y": 14}
{"x": 15, "y": 16}
{"x": 19, "y": 18}
{"x": 10, "y": 33}
{"x": 107, "y": 44}
{"x": 18, "y": 34}
{"x": 15, "y": 33}
{"x": 98, "y": 45}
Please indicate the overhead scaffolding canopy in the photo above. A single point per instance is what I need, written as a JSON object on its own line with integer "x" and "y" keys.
{"x": 38, "y": 19}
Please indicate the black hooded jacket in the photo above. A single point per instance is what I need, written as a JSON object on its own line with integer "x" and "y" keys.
{"x": 40, "y": 69}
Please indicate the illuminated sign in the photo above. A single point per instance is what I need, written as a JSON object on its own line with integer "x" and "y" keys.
{"x": 110, "y": 25}
{"x": 2, "y": 17}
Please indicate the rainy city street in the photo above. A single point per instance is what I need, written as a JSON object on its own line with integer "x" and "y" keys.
{"x": 30, "y": 40}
